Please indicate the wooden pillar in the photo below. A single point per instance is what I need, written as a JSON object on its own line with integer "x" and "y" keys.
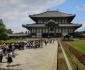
{"x": 48, "y": 31}
{"x": 68, "y": 30}
{"x": 61, "y": 30}
{"x": 58, "y": 30}
{"x": 55, "y": 31}
{"x": 45, "y": 30}
{"x": 36, "y": 30}
{"x": 31, "y": 30}
{"x": 42, "y": 30}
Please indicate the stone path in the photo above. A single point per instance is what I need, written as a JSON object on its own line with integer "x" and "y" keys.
{"x": 34, "y": 59}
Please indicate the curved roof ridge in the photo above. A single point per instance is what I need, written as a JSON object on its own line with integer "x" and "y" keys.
{"x": 52, "y": 14}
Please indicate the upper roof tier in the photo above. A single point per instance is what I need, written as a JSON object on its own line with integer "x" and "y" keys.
{"x": 52, "y": 14}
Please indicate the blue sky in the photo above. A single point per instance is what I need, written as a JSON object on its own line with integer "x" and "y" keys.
{"x": 75, "y": 7}
{"x": 15, "y": 12}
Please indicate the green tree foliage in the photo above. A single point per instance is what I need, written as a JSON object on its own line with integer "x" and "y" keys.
{"x": 3, "y": 37}
{"x": 2, "y": 27}
{"x": 20, "y": 33}
{"x": 26, "y": 32}
{"x": 3, "y": 30}
{"x": 9, "y": 31}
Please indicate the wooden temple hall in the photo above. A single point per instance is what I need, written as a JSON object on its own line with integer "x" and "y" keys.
{"x": 51, "y": 24}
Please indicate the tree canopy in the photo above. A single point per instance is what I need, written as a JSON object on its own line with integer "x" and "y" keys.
{"x": 9, "y": 31}
{"x": 3, "y": 31}
{"x": 2, "y": 27}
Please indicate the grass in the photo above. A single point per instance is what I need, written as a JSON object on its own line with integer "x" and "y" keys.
{"x": 78, "y": 44}
{"x": 76, "y": 65}
{"x": 61, "y": 60}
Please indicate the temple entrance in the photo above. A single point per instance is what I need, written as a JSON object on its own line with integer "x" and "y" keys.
{"x": 51, "y": 26}
{"x": 45, "y": 35}
{"x": 51, "y": 35}
{"x": 58, "y": 34}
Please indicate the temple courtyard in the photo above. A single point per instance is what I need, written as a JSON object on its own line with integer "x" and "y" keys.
{"x": 44, "y": 58}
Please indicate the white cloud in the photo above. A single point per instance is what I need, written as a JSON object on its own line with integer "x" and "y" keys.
{"x": 82, "y": 28}
{"x": 81, "y": 7}
{"x": 15, "y": 12}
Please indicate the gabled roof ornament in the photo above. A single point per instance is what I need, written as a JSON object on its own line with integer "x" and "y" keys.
{"x": 51, "y": 21}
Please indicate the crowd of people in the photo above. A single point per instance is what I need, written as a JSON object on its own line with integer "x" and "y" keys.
{"x": 47, "y": 41}
{"x": 8, "y": 49}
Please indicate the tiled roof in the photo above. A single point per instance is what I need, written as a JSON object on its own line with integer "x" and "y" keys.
{"x": 17, "y": 35}
{"x": 52, "y": 14}
{"x": 34, "y": 25}
{"x": 60, "y": 25}
{"x": 68, "y": 25}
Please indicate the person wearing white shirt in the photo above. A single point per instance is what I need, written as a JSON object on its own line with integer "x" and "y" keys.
{"x": 1, "y": 55}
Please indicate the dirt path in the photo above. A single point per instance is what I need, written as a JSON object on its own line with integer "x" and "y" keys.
{"x": 34, "y": 59}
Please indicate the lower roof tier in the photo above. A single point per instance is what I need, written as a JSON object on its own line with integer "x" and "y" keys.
{"x": 57, "y": 25}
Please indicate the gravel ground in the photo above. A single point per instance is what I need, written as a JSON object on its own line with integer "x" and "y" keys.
{"x": 34, "y": 59}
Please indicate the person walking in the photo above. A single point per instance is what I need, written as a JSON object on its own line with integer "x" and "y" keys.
{"x": 1, "y": 55}
{"x": 13, "y": 49}
{"x": 9, "y": 58}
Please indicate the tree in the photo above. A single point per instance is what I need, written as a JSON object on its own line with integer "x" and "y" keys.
{"x": 26, "y": 32}
{"x": 3, "y": 35}
{"x": 2, "y": 27}
{"x": 20, "y": 33}
{"x": 9, "y": 31}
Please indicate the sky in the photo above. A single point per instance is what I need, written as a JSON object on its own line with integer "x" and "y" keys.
{"x": 14, "y": 13}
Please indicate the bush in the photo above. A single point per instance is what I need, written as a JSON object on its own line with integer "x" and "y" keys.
{"x": 3, "y": 37}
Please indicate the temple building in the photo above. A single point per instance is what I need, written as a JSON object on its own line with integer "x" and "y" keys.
{"x": 51, "y": 24}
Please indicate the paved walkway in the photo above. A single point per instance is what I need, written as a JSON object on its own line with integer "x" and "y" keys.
{"x": 34, "y": 59}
